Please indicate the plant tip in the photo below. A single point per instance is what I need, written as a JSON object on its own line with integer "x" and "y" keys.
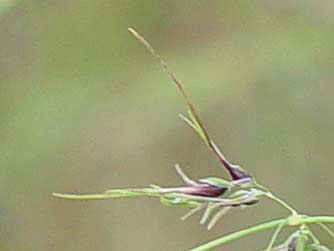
{"x": 131, "y": 30}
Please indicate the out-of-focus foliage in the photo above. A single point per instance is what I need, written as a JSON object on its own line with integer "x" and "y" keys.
{"x": 84, "y": 108}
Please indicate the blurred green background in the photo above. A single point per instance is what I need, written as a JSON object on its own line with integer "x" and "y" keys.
{"x": 84, "y": 108}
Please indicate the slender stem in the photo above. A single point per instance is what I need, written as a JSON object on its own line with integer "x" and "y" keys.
{"x": 273, "y": 197}
{"x": 258, "y": 228}
{"x": 239, "y": 234}
{"x": 173, "y": 77}
{"x": 270, "y": 195}
{"x": 327, "y": 229}
{"x": 275, "y": 235}
{"x": 235, "y": 172}
{"x": 314, "y": 238}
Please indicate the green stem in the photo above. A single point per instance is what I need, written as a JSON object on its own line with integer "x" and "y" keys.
{"x": 239, "y": 234}
{"x": 273, "y": 197}
{"x": 314, "y": 238}
{"x": 275, "y": 235}
{"x": 327, "y": 229}
{"x": 282, "y": 202}
{"x": 316, "y": 219}
{"x": 258, "y": 228}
